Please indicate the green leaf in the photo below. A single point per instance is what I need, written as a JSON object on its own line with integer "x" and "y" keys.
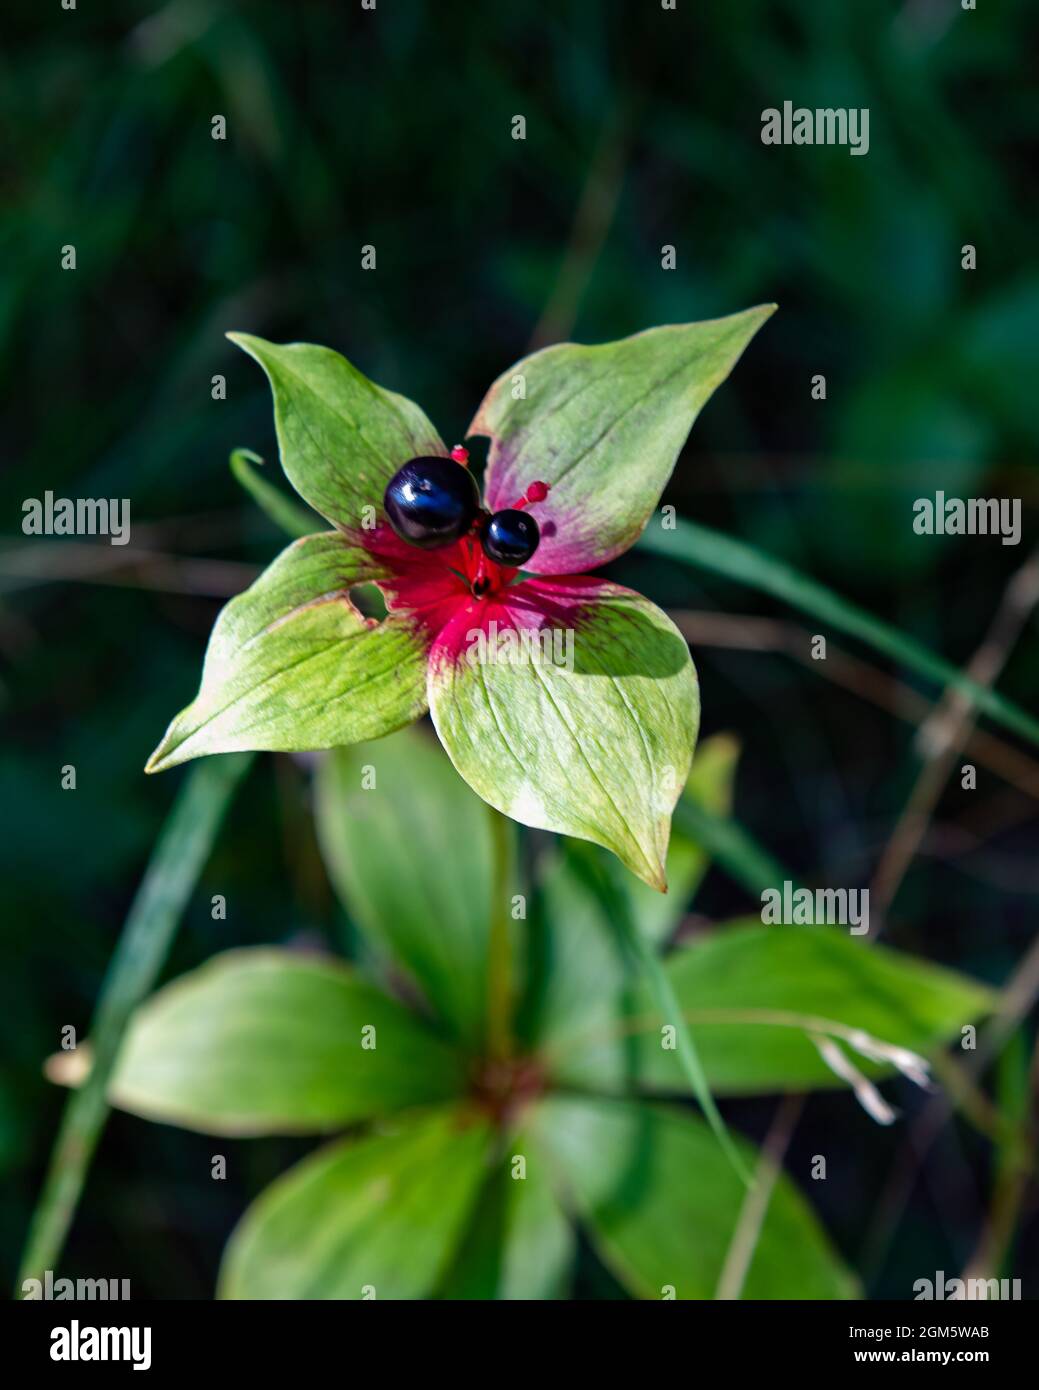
{"x": 703, "y": 548}
{"x": 661, "y": 1203}
{"x": 520, "y": 1244}
{"x": 753, "y": 994}
{"x": 603, "y": 425}
{"x": 583, "y": 974}
{"x": 609, "y": 945}
{"x": 263, "y": 1042}
{"x": 660, "y": 990}
{"x": 710, "y": 786}
{"x": 293, "y": 519}
{"x": 292, "y": 664}
{"x": 600, "y": 751}
{"x": 379, "y": 1215}
{"x": 341, "y": 437}
{"x": 410, "y": 857}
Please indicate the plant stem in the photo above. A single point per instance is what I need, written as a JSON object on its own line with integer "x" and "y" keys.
{"x": 283, "y": 510}
{"x": 670, "y": 1011}
{"x": 499, "y": 947}
{"x": 177, "y": 860}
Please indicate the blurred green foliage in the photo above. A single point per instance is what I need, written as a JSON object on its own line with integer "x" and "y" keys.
{"x": 542, "y": 1049}
{"x": 392, "y": 128}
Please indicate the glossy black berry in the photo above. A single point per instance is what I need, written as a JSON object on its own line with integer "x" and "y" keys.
{"x": 431, "y": 502}
{"x": 510, "y": 537}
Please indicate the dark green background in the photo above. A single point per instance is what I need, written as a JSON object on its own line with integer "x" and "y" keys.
{"x": 392, "y": 128}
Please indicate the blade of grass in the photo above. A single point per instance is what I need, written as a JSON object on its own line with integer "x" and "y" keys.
{"x": 670, "y": 1011}
{"x": 645, "y": 957}
{"x": 177, "y": 860}
{"x": 712, "y": 550}
{"x": 279, "y": 506}
{"x": 734, "y": 849}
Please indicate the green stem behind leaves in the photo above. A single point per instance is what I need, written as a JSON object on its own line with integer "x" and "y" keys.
{"x": 499, "y": 949}
{"x": 645, "y": 956}
{"x": 172, "y": 873}
{"x": 293, "y": 519}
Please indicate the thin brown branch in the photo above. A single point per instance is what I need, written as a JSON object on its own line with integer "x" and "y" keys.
{"x": 49, "y": 562}
{"x": 1016, "y": 1000}
{"x": 943, "y": 734}
{"x": 855, "y": 675}
{"x": 755, "y": 1203}
{"x": 592, "y": 221}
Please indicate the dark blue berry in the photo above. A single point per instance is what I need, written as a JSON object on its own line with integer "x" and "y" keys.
{"x": 431, "y": 502}
{"x": 510, "y": 537}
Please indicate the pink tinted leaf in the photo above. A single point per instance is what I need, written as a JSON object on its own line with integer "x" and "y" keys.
{"x": 572, "y": 705}
{"x": 603, "y": 426}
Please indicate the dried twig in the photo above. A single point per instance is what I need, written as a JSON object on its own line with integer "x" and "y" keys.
{"x": 941, "y": 737}
{"x": 755, "y": 1203}
{"x": 592, "y": 221}
{"x": 130, "y": 566}
{"x": 855, "y": 675}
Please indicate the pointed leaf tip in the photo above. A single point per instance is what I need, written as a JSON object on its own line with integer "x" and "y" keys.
{"x": 597, "y": 744}
{"x": 603, "y": 425}
{"x": 293, "y": 666}
{"x": 341, "y": 437}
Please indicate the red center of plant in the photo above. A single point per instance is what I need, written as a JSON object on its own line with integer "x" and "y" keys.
{"x": 500, "y": 1087}
{"x": 484, "y": 576}
{"x": 439, "y": 584}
